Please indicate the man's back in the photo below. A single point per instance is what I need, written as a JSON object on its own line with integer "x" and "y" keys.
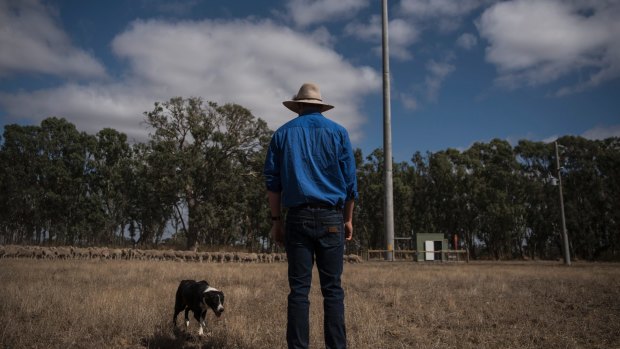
{"x": 312, "y": 157}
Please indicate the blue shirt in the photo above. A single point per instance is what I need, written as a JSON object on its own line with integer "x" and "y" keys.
{"x": 310, "y": 160}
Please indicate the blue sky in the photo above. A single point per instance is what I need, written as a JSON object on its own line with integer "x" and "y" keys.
{"x": 462, "y": 70}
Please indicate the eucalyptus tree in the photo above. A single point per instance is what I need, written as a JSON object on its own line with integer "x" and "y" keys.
{"x": 497, "y": 196}
{"x": 403, "y": 195}
{"x": 152, "y": 192}
{"x": 369, "y": 207}
{"x": 609, "y": 166}
{"x": 20, "y": 186}
{"x": 444, "y": 191}
{"x": 208, "y": 145}
{"x": 540, "y": 198}
{"x": 590, "y": 194}
{"x": 111, "y": 160}
{"x": 422, "y": 211}
{"x": 64, "y": 163}
{"x": 44, "y": 182}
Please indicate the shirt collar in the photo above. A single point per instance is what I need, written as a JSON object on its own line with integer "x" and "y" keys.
{"x": 311, "y": 113}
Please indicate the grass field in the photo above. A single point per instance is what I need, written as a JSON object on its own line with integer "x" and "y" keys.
{"x": 129, "y": 304}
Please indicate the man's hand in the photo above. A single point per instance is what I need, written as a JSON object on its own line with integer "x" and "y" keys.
{"x": 348, "y": 230}
{"x": 277, "y": 232}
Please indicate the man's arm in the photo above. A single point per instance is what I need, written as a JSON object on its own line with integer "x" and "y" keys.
{"x": 348, "y": 219}
{"x": 277, "y": 231}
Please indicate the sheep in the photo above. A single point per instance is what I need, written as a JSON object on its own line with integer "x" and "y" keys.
{"x": 80, "y": 253}
{"x": 265, "y": 257}
{"x": 353, "y": 258}
{"x": 169, "y": 255}
{"x": 158, "y": 255}
{"x": 217, "y": 257}
{"x": 10, "y": 252}
{"x": 48, "y": 253}
{"x": 204, "y": 257}
{"x": 38, "y": 253}
{"x": 63, "y": 253}
{"x": 115, "y": 253}
{"x": 248, "y": 257}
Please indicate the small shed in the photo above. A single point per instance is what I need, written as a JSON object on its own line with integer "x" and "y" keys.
{"x": 429, "y": 247}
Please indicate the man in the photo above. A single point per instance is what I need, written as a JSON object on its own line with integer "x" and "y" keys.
{"x": 310, "y": 169}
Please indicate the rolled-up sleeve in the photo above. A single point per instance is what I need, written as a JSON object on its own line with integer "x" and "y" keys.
{"x": 347, "y": 163}
{"x": 271, "y": 170}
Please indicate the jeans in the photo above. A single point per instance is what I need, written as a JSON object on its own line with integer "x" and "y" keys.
{"x": 311, "y": 232}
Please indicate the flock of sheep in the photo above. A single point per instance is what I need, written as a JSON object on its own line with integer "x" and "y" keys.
{"x": 104, "y": 253}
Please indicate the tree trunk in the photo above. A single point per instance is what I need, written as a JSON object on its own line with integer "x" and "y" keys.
{"x": 192, "y": 223}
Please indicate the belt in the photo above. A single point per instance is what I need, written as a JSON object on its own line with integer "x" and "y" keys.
{"x": 316, "y": 205}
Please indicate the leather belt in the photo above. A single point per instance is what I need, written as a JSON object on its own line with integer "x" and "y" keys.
{"x": 321, "y": 206}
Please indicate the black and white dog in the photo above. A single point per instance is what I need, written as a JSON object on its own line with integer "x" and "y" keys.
{"x": 197, "y": 296}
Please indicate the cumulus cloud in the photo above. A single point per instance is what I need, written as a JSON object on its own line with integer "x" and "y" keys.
{"x": 307, "y": 12}
{"x": 91, "y": 107}
{"x": 255, "y": 64}
{"x": 437, "y": 73}
{"x": 467, "y": 41}
{"x": 402, "y": 34}
{"x": 33, "y": 42}
{"x": 409, "y": 101}
{"x": 602, "y": 132}
{"x": 537, "y": 42}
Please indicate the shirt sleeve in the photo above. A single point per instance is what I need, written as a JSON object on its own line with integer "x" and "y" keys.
{"x": 347, "y": 165}
{"x": 271, "y": 170}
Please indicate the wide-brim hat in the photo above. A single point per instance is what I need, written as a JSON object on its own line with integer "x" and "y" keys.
{"x": 309, "y": 93}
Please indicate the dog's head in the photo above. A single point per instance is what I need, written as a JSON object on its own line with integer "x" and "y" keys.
{"x": 214, "y": 299}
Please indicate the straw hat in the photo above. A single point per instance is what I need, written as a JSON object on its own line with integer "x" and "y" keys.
{"x": 308, "y": 93}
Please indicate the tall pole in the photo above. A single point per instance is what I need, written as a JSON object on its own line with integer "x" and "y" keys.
{"x": 564, "y": 234}
{"x": 388, "y": 207}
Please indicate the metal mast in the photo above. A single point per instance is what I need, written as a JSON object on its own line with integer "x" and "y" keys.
{"x": 388, "y": 207}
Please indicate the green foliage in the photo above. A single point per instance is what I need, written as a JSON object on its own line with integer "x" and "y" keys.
{"x": 212, "y": 153}
{"x": 198, "y": 180}
{"x": 501, "y": 200}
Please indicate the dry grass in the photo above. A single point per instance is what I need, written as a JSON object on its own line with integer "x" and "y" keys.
{"x": 124, "y": 304}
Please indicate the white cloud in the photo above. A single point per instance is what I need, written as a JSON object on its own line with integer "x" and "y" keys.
{"x": 602, "y": 132}
{"x": 323, "y": 37}
{"x": 537, "y": 42}
{"x": 307, "y": 12}
{"x": 437, "y": 73}
{"x": 467, "y": 41}
{"x": 409, "y": 101}
{"x": 401, "y": 34}
{"x": 370, "y": 31}
{"x": 33, "y": 42}
{"x": 91, "y": 107}
{"x": 255, "y": 64}
{"x": 550, "y": 139}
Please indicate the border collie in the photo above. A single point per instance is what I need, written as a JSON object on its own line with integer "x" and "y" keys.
{"x": 197, "y": 296}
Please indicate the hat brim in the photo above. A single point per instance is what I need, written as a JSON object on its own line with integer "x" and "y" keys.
{"x": 294, "y": 105}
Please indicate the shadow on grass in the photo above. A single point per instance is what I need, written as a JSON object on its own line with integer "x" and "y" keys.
{"x": 180, "y": 339}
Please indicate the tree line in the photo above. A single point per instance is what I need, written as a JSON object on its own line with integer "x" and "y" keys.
{"x": 197, "y": 181}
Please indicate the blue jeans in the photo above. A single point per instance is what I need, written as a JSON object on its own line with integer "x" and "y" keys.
{"x": 311, "y": 232}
